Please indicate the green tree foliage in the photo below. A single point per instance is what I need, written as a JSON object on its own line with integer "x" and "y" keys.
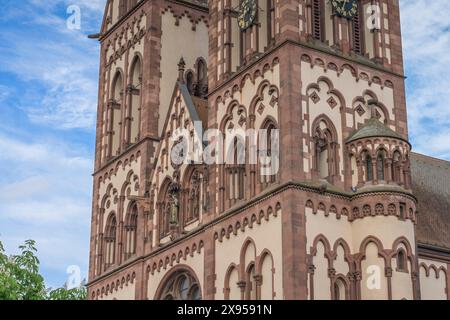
{"x": 19, "y": 274}
{"x": 20, "y": 278}
{"x": 65, "y": 294}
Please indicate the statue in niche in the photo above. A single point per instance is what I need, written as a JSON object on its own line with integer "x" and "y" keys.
{"x": 174, "y": 204}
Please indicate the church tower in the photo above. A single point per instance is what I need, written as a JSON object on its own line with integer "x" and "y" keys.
{"x": 335, "y": 218}
{"x": 329, "y": 76}
{"x": 141, "y": 45}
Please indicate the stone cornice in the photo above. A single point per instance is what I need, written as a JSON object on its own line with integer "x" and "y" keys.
{"x": 267, "y": 194}
{"x": 125, "y": 152}
{"x": 360, "y": 61}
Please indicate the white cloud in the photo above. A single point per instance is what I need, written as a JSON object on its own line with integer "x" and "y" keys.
{"x": 45, "y": 195}
{"x": 46, "y": 183}
{"x": 426, "y": 44}
{"x": 62, "y": 62}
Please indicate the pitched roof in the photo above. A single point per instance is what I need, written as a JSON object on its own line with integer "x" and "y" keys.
{"x": 197, "y": 107}
{"x": 431, "y": 186}
{"x": 373, "y": 128}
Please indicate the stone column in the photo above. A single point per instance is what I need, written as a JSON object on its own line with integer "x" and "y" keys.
{"x": 388, "y": 274}
{"x": 242, "y": 286}
{"x": 388, "y": 171}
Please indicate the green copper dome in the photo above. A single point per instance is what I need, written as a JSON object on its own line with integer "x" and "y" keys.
{"x": 374, "y": 128}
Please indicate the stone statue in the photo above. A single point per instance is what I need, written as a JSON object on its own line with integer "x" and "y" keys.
{"x": 174, "y": 210}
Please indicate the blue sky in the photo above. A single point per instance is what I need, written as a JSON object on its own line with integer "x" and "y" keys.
{"x": 48, "y": 97}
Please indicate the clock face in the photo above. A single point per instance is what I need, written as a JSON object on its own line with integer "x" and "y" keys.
{"x": 247, "y": 13}
{"x": 345, "y": 8}
{"x": 178, "y": 153}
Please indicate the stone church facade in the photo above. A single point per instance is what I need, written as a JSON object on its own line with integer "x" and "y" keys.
{"x": 352, "y": 213}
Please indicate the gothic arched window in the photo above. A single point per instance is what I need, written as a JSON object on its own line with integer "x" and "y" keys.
{"x": 235, "y": 169}
{"x": 197, "y": 80}
{"x": 325, "y": 149}
{"x": 115, "y": 114}
{"x": 110, "y": 240}
{"x": 131, "y": 231}
{"x": 402, "y": 261}
{"x": 166, "y": 205}
{"x": 340, "y": 289}
{"x": 190, "y": 82}
{"x": 194, "y": 194}
{"x": 369, "y": 168}
{"x": 201, "y": 71}
{"x": 395, "y": 166}
{"x": 134, "y": 90}
{"x": 182, "y": 285}
{"x": 337, "y": 291}
{"x": 265, "y": 150}
{"x": 380, "y": 165}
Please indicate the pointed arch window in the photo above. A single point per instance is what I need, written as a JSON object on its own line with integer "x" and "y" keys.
{"x": 266, "y": 150}
{"x": 166, "y": 207}
{"x": 201, "y": 86}
{"x": 135, "y": 100}
{"x": 194, "y": 196}
{"x": 325, "y": 149}
{"x": 131, "y": 231}
{"x": 190, "y": 81}
{"x": 395, "y": 166}
{"x": 337, "y": 291}
{"x": 115, "y": 115}
{"x": 380, "y": 165}
{"x": 402, "y": 262}
{"x": 369, "y": 168}
{"x": 340, "y": 289}
{"x": 110, "y": 241}
{"x": 182, "y": 285}
{"x": 235, "y": 169}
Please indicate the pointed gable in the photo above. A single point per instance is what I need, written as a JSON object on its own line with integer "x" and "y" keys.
{"x": 186, "y": 115}
{"x": 181, "y": 116}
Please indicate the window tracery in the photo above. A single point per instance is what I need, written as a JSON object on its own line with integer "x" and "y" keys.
{"x": 110, "y": 241}
{"x": 182, "y": 285}
{"x": 131, "y": 231}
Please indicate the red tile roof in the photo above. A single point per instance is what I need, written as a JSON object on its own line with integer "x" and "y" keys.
{"x": 431, "y": 186}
